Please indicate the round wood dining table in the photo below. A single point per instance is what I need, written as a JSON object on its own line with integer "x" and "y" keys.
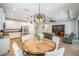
{"x": 34, "y": 46}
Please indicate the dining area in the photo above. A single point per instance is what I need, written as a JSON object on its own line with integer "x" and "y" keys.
{"x": 31, "y": 45}
{"x": 26, "y": 37}
{"x": 35, "y": 47}
{"x": 43, "y": 47}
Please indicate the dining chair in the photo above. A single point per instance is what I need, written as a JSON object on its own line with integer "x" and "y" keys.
{"x": 56, "y": 39}
{"x": 14, "y": 35}
{"x": 17, "y": 50}
{"x": 4, "y": 45}
{"x": 58, "y": 52}
{"x": 26, "y": 37}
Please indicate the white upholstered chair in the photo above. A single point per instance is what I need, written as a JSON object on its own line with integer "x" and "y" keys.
{"x": 4, "y": 45}
{"x": 14, "y": 35}
{"x": 56, "y": 39}
{"x": 26, "y": 37}
{"x": 17, "y": 50}
{"x": 58, "y": 52}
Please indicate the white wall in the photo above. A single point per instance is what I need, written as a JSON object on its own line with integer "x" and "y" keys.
{"x": 73, "y": 25}
{"x": 31, "y": 28}
{"x": 70, "y": 26}
{"x": 41, "y": 29}
{"x": 2, "y": 18}
{"x": 17, "y": 25}
{"x": 14, "y": 24}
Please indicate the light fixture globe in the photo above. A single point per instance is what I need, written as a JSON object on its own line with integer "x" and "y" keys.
{"x": 39, "y": 18}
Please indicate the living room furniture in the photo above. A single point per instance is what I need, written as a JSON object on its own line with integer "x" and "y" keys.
{"x": 35, "y": 47}
{"x": 48, "y": 35}
{"x": 58, "y": 52}
{"x": 17, "y": 50}
{"x": 4, "y": 45}
{"x": 56, "y": 39}
{"x": 69, "y": 38}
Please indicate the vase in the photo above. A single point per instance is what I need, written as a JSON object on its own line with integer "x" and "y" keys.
{"x": 39, "y": 41}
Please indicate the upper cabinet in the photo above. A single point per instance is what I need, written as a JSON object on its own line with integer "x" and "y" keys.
{"x": 2, "y": 19}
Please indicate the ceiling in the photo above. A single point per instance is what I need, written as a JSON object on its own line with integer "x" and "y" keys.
{"x": 24, "y": 11}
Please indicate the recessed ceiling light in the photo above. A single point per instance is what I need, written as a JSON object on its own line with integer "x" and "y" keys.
{"x": 14, "y": 9}
{"x": 48, "y": 8}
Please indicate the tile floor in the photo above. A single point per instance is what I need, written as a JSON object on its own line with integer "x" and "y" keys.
{"x": 69, "y": 51}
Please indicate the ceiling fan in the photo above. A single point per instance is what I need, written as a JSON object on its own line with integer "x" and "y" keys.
{"x": 51, "y": 20}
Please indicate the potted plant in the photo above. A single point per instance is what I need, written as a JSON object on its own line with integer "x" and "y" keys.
{"x": 38, "y": 37}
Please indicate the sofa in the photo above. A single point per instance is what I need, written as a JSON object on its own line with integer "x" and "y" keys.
{"x": 48, "y": 35}
{"x": 69, "y": 38}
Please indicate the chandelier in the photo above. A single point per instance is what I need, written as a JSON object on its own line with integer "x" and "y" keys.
{"x": 39, "y": 17}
